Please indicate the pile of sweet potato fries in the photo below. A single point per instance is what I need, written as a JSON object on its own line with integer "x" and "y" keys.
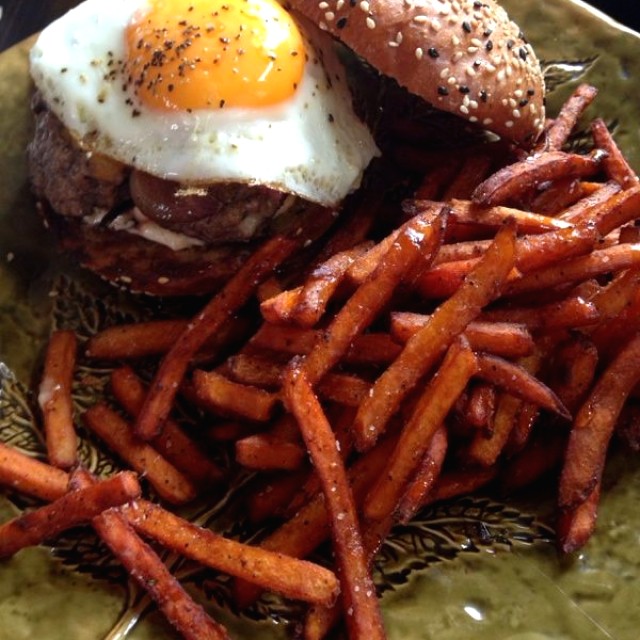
{"x": 493, "y": 336}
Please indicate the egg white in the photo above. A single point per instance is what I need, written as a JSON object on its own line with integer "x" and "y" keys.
{"x": 312, "y": 145}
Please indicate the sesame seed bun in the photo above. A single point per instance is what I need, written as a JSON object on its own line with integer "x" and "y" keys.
{"x": 463, "y": 56}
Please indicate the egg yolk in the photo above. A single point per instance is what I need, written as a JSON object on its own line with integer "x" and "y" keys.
{"x": 185, "y": 55}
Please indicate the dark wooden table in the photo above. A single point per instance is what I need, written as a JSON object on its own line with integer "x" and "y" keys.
{"x": 21, "y": 18}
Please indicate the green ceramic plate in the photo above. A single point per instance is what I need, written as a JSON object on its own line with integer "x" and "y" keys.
{"x": 476, "y": 568}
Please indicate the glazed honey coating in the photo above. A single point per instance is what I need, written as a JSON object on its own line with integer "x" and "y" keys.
{"x": 463, "y": 56}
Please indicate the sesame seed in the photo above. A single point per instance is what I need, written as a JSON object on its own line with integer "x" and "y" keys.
{"x": 399, "y": 37}
{"x": 457, "y": 56}
{"x": 371, "y": 23}
{"x": 473, "y": 118}
{"x": 420, "y": 19}
{"x": 323, "y": 5}
{"x": 464, "y": 109}
{"x": 487, "y": 121}
{"x": 508, "y": 124}
{"x": 473, "y": 104}
{"x": 419, "y": 53}
{"x": 329, "y": 16}
{"x": 339, "y": 5}
{"x": 436, "y": 25}
{"x": 472, "y": 50}
{"x": 364, "y": 5}
{"x": 444, "y": 72}
{"x": 516, "y": 113}
{"x": 455, "y": 41}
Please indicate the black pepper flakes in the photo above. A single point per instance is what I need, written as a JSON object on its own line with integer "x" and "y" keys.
{"x": 433, "y": 52}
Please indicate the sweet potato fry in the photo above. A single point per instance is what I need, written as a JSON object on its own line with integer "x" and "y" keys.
{"x": 274, "y": 493}
{"x": 173, "y": 443}
{"x": 462, "y": 481}
{"x": 54, "y": 399}
{"x": 609, "y": 335}
{"x": 418, "y": 240}
{"x": 575, "y": 526}
{"x": 522, "y": 429}
{"x": 218, "y": 394}
{"x": 321, "y": 284}
{"x": 599, "y": 262}
{"x": 293, "y": 578}
{"x": 540, "y": 456}
{"x": 279, "y": 308}
{"x": 481, "y": 405}
{"x": 569, "y": 313}
{"x": 436, "y": 179}
{"x": 594, "y": 425}
{"x": 560, "y": 195}
{"x": 573, "y": 370}
{"x": 206, "y": 323}
{"x": 24, "y": 474}
{"x": 137, "y": 340}
{"x": 558, "y": 133}
{"x": 424, "y": 480}
{"x": 515, "y": 180}
{"x": 615, "y": 164}
{"x": 67, "y": 511}
{"x": 424, "y": 348}
{"x": 263, "y": 451}
{"x": 434, "y": 404}
{"x": 170, "y": 484}
{"x": 532, "y": 253}
{"x": 473, "y": 171}
{"x": 368, "y": 348}
{"x": 519, "y": 388}
{"x": 265, "y": 372}
{"x": 364, "y": 619}
{"x": 581, "y": 210}
{"x": 612, "y": 300}
{"x": 150, "y": 572}
{"x": 484, "y": 450}
{"x": 341, "y": 421}
{"x": 469, "y": 212}
{"x": 507, "y": 339}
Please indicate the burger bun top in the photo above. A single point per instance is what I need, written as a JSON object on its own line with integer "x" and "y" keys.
{"x": 465, "y": 57}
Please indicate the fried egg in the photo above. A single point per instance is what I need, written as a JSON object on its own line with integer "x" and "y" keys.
{"x": 206, "y": 91}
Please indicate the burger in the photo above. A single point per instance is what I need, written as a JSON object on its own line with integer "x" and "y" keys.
{"x": 171, "y": 136}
